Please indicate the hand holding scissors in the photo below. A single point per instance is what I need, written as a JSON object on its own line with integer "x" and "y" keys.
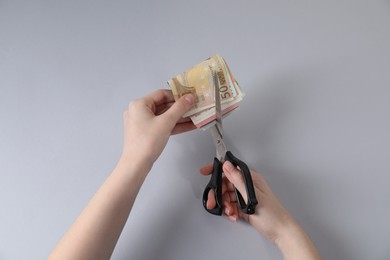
{"x": 222, "y": 154}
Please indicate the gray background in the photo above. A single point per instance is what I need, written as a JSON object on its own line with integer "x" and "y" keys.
{"x": 315, "y": 120}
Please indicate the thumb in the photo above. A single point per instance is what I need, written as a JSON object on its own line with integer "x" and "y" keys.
{"x": 180, "y": 107}
{"x": 235, "y": 177}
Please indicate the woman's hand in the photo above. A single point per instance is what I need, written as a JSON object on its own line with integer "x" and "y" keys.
{"x": 148, "y": 124}
{"x": 271, "y": 218}
{"x": 150, "y": 121}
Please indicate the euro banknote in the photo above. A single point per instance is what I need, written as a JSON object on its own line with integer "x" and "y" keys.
{"x": 199, "y": 81}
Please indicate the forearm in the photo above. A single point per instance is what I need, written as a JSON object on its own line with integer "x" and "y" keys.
{"x": 296, "y": 245}
{"x": 96, "y": 231}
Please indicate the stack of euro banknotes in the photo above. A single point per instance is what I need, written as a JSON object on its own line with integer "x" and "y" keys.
{"x": 199, "y": 81}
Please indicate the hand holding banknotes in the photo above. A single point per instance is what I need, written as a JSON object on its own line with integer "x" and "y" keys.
{"x": 150, "y": 121}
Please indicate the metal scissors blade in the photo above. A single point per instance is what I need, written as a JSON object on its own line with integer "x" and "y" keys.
{"x": 216, "y": 130}
{"x": 218, "y": 114}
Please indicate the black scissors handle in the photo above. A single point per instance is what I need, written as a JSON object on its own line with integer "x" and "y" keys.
{"x": 215, "y": 183}
{"x": 250, "y": 206}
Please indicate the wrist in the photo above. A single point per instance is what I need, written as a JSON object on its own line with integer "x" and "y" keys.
{"x": 294, "y": 243}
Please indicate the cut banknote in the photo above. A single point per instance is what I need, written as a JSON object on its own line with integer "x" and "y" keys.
{"x": 199, "y": 81}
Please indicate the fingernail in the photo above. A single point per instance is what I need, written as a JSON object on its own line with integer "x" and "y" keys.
{"x": 189, "y": 98}
{"x": 208, "y": 205}
{"x": 232, "y": 218}
{"x": 228, "y": 166}
{"x": 227, "y": 211}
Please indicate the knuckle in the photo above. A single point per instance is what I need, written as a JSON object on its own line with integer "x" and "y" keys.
{"x": 180, "y": 105}
{"x": 131, "y": 104}
{"x": 135, "y": 103}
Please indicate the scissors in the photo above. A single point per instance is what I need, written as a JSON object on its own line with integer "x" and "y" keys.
{"x": 222, "y": 155}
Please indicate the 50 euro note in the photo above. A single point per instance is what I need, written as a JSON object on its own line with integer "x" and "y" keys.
{"x": 199, "y": 81}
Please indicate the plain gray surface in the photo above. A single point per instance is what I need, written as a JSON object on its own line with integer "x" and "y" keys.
{"x": 315, "y": 120}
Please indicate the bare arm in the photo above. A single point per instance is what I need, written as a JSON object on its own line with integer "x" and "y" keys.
{"x": 147, "y": 124}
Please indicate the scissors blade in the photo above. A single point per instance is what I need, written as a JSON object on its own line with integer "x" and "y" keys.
{"x": 216, "y": 130}
{"x": 218, "y": 113}
{"x": 220, "y": 146}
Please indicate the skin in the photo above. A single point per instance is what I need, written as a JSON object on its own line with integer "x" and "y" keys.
{"x": 148, "y": 124}
{"x": 271, "y": 218}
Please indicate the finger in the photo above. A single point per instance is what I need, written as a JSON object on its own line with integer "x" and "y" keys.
{"x": 211, "y": 202}
{"x": 207, "y": 169}
{"x": 225, "y": 197}
{"x": 160, "y": 109}
{"x": 160, "y": 96}
{"x": 232, "y": 196}
{"x": 234, "y": 215}
{"x": 155, "y": 99}
{"x": 183, "y": 127}
{"x": 178, "y": 109}
{"x": 235, "y": 177}
{"x": 230, "y": 186}
{"x": 228, "y": 209}
{"x": 224, "y": 184}
{"x": 232, "y": 218}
